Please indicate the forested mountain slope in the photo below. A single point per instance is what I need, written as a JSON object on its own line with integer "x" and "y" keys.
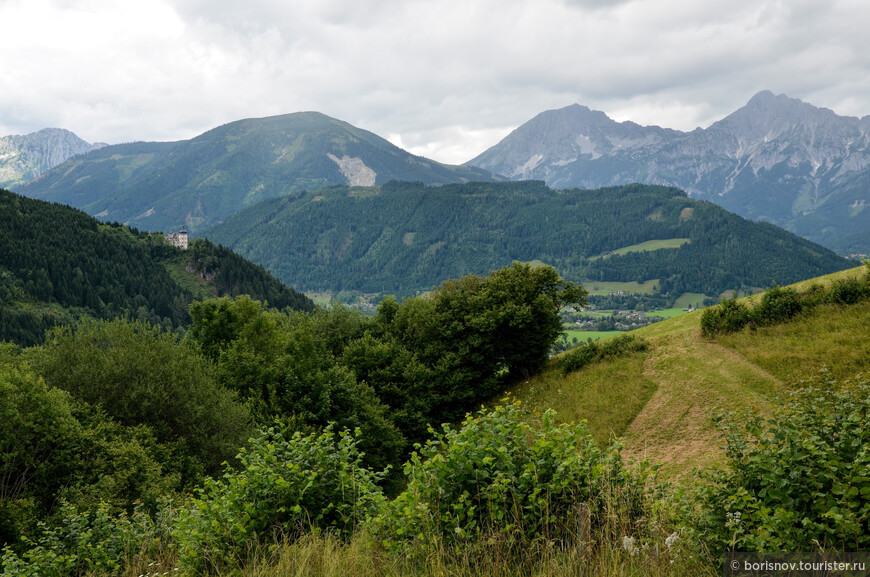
{"x": 404, "y": 237}
{"x": 57, "y": 263}
{"x": 199, "y": 182}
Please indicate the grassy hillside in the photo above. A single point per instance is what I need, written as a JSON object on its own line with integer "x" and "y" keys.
{"x": 661, "y": 401}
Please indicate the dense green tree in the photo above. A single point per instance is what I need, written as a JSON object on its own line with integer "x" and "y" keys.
{"x": 434, "y": 357}
{"x": 141, "y": 375}
{"x": 55, "y": 447}
{"x": 281, "y": 364}
{"x": 521, "y": 307}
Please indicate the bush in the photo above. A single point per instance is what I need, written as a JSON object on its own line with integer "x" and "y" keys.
{"x": 141, "y": 375}
{"x": 285, "y": 485}
{"x": 83, "y": 543}
{"x": 777, "y": 305}
{"x": 597, "y": 351}
{"x": 848, "y": 291}
{"x": 814, "y": 296}
{"x": 500, "y": 475}
{"x": 729, "y": 316}
{"x": 53, "y": 447}
{"x": 797, "y": 481}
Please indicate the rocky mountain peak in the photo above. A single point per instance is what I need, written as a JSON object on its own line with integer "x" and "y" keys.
{"x": 23, "y": 158}
{"x": 776, "y": 159}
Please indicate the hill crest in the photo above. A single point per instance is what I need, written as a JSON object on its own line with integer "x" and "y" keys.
{"x": 199, "y": 182}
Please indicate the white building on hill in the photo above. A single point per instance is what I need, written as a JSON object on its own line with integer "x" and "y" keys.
{"x": 178, "y": 239}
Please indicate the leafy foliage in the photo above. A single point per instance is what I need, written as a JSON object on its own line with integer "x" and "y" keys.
{"x": 141, "y": 375}
{"x": 280, "y": 365}
{"x": 499, "y": 474}
{"x": 286, "y": 485}
{"x": 442, "y": 354}
{"x": 796, "y": 481}
{"x": 53, "y": 446}
{"x": 596, "y": 351}
{"x": 84, "y": 542}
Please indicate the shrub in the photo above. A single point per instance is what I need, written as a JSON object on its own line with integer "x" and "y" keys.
{"x": 142, "y": 375}
{"x": 500, "y": 475}
{"x": 848, "y": 291}
{"x": 814, "y": 296}
{"x": 777, "y": 305}
{"x": 597, "y": 351}
{"x": 54, "y": 447}
{"x": 728, "y": 317}
{"x": 285, "y": 485}
{"x": 82, "y": 543}
{"x": 796, "y": 481}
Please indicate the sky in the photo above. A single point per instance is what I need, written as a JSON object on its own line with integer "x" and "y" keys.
{"x": 445, "y": 79}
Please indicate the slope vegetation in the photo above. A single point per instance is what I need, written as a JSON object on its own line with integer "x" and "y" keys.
{"x": 661, "y": 401}
{"x": 404, "y": 237}
{"x": 57, "y": 263}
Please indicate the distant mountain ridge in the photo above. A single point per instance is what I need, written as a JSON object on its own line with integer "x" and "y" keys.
{"x": 23, "y": 158}
{"x": 403, "y": 237}
{"x": 199, "y": 182}
{"x": 776, "y": 159}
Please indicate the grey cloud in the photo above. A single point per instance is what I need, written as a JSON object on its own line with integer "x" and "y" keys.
{"x": 441, "y": 76}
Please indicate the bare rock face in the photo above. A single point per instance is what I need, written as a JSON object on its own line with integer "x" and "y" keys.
{"x": 776, "y": 159}
{"x": 355, "y": 170}
{"x": 23, "y": 158}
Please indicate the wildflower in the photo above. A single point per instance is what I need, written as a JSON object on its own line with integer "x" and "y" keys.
{"x": 733, "y": 519}
{"x": 628, "y": 543}
{"x": 672, "y": 539}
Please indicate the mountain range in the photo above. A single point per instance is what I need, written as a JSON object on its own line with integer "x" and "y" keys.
{"x": 777, "y": 159}
{"x": 199, "y": 182}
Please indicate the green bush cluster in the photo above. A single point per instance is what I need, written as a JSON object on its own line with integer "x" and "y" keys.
{"x": 83, "y": 542}
{"x": 796, "y": 481}
{"x": 780, "y": 304}
{"x": 728, "y": 317}
{"x": 503, "y": 473}
{"x": 285, "y": 485}
{"x": 597, "y": 351}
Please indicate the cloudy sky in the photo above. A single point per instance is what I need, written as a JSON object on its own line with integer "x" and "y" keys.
{"x": 443, "y": 78}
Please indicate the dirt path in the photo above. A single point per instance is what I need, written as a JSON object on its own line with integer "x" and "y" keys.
{"x": 695, "y": 379}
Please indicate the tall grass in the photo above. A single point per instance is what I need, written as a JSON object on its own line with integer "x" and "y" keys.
{"x": 830, "y": 335}
{"x": 326, "y": 556}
